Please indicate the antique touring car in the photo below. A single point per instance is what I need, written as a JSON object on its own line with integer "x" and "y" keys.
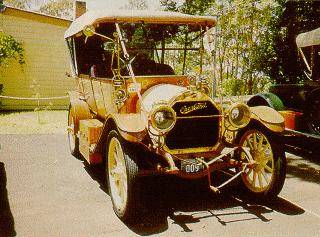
{"x": 143, "y": 109}
{"x": 299, "y": 103}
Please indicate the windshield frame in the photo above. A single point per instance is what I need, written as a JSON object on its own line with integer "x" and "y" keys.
{"x": 163, "y": 48}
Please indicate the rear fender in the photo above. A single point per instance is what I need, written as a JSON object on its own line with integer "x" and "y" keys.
{"x": 266, "y": 99}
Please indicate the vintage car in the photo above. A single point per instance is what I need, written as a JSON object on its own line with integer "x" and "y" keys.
{"x": 143, "y": 108}
{"x": 299, "y": 103}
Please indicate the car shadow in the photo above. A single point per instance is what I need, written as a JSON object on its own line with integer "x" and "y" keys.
{"x": 184, "y": 202}
{"x": 306, "y": 167}
{"x": 6, "y": 218}
{"x": 309, "y": 153}
{"x": 97, "y": 173}
{"x": 303, "y": 145}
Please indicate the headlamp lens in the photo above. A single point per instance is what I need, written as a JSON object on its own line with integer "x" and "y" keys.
{"x": 163, "y": 118}
{"x": 239, "y": 115}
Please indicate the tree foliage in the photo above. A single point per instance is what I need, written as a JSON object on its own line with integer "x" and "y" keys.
{"x": 136, "y": 5}
{"x": 195, "y": 7}
{"x": 58, "y": 8}
{"x": 169, "y": 5}
{"x": 254, "y": 39}
{"x": 10, "y": 49}
{"x": 281, "y": 59}
{"x": 238, "y": 40}
{"x": 240, "y": 33}
{"x": 21, "y": 4}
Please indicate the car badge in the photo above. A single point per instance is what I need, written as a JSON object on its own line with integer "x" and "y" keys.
{"x": 188, "y": 109}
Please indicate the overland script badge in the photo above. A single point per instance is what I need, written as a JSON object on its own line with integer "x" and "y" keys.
{"x": 188, "y": 109}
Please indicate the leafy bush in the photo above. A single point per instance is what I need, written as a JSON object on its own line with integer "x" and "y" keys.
{"x": 10, "y": 49}
{"x": 235, "y": 86}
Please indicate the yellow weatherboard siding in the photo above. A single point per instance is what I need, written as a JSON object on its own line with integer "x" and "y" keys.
{"x": 46, "y": 58}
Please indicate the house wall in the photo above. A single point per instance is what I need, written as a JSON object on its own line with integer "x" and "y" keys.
{"x": 46, "y": 57}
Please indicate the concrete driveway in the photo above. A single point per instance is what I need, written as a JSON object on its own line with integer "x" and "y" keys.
{"x": 47, "y": 192}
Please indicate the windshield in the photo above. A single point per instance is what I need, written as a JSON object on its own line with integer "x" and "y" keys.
{"x": 158, "y": 49}
{"x": 153, "y": 49}
{"x": 311, "y": 58}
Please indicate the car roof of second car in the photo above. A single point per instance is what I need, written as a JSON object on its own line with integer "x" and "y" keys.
{"x": 309, "y": 38}
{"x": 95, "y": 17}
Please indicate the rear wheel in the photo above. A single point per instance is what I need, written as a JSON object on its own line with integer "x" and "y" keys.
{"x": 72, "y": 137}
{"x": 123, "y": 182}
{"x": 265, "y": 175}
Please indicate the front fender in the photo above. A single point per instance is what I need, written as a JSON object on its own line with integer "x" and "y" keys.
{"x": 268, "y": 117}
{"x": 129, "y": 126}
{"x": 132, "y": 127}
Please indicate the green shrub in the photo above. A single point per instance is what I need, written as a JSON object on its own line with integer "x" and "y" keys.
{"x": 10, "y": 49}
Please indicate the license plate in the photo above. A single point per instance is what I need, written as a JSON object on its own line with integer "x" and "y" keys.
{"x": 191, "y": 166}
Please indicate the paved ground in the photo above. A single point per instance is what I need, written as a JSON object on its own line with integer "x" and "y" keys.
{"x": 44, "y": 191}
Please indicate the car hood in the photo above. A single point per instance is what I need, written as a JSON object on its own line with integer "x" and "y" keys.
{"x": 162, "y": 93}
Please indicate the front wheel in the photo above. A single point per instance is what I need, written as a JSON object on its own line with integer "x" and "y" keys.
{"x": 123, "y": 182}
{"x": 264, "y": 176}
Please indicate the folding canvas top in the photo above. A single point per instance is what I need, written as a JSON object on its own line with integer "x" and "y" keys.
{"x": 94, "y": 17}
{"x": 308, "y": 38}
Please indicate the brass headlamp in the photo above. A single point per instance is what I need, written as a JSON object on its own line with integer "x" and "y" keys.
{"x": 163, "y": 118}
{"x": 239, "y": 115}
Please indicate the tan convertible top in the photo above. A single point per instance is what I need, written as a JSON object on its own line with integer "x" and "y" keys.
{"x": 162, "y": 17}
{"x": 308, "y": 38}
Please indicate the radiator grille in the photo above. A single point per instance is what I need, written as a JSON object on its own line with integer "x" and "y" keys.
{"x": 199, "y": 128}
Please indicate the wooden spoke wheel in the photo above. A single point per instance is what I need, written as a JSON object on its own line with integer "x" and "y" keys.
{"x": 265, "y": 175}
{"x": 72, "y": 137}
{"x": 117, "y": 174}
{"x": 123, "y": 182}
